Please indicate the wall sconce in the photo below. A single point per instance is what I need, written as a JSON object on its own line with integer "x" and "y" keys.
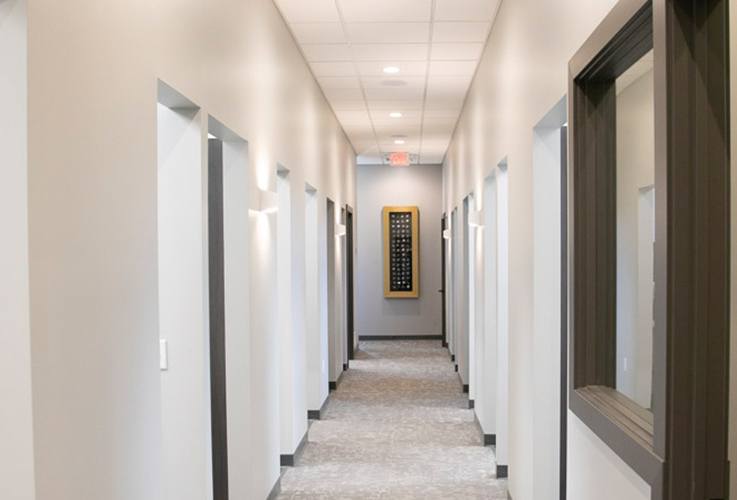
{"x": 476, "y": 219}
{"x": 264, "y": 202}
{"x": 446, "y": 234}
{"x": 340, "y": 230}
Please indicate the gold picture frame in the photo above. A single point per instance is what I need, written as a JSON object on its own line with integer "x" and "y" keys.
{"x": 414, "y": 291}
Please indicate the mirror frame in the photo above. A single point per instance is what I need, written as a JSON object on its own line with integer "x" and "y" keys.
{"x": 680, "y": 448}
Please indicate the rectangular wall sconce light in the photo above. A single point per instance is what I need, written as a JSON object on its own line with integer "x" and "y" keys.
{"x": 340, "y": 230}
{"x": 446, "y": 234}
{"x": 476, "y": 219}
{"x": 264, "y": 202}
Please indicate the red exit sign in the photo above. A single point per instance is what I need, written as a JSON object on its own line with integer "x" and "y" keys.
{"x": 399, "y": 159}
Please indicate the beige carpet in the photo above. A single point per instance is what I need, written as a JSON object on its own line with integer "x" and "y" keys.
{"x": 398, "y": 427}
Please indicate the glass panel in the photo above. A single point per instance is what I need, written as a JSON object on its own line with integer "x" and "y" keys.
{"x": 635, "y": 230}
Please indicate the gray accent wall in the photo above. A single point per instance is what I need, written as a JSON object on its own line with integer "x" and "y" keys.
{"x": 379, "y": 186}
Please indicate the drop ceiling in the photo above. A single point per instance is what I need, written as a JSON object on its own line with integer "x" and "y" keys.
{"x": 434, "y": 44}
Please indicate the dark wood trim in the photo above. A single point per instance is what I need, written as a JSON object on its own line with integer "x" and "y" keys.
{"x": 563, "y": 443}
{"x": 290, "y": 460}
{"x": 365, "y": 338}
{"x": 452, "y": 358}
{"x": 502, "y": 472}
{"x": 216, "y": 274}
{"x": 680, "y": 447}
{"x": 443, "y": 277}
{"x": 275, "y": 490}
{"x": 489, "y": 439}
{"x": 334, "y": 384}
{"x": 465, "y": 388}
{"x": 317, "y": 414}
{"x": 345, "y": 366}
{"x": 350, "y": 296}
{"x": 693, "y": 164}
{"x": 471, "y": 404}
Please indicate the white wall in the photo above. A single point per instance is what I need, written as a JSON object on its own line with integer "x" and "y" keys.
{"x": 379, "y": 186}
{"x": 93, "y": 219}
{"x": 635, "y": 171}
{"x": 316, "y": 329}
{"x": 547, "y": 302}
{"x": 16, "y": 433}
{"x": 183, "y": 308}
{"x": 522, "y": 75}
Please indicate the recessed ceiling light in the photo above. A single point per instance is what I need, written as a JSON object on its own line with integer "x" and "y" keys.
{"x": 398, "y": 141}
{"x": 391, "y": 70}
{"x": 395, "y": 114}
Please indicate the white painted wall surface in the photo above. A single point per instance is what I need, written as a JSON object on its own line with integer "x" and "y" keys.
{"x": 316, "y": 334}
{"x": 93, "y": 219}
{"x": 522, "y": 74}
{"x": 379, "y": 186}
{"x": 183, "y": 305}
{"x": 16, "y": 421}
{"x": 547, "y": 303}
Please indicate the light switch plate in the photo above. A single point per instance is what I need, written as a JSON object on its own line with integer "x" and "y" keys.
{"x": 163, "y": 355}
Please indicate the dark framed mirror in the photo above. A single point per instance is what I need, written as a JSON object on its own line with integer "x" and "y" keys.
{"x": 649, "y": 241}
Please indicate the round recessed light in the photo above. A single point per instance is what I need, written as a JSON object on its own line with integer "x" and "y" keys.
{"x": 391, "y": 70}
{"x": 395, "y": 114}
{"x": 398, "y": 141}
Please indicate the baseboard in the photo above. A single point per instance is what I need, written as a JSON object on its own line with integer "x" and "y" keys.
{"x": 400, "y": 337}
{"x": 456, "y": 367}
{"x": 465, "y": 388}
{"x": 275, "y": 490}
{"x": 471, "y": 404}
{"x": 317, "y": 414}
{"x": 290, "y": 460}
{"x": 489, "y": 439}
{"x": 445, "y": 344}
{"x": 452, "y": 358}
{"x": 502, "y": 471}
{"x": 345, "y": 366}
{"x": 333, "y": 386}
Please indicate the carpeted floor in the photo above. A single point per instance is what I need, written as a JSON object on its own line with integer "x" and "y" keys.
{"x": 398, "y": 427}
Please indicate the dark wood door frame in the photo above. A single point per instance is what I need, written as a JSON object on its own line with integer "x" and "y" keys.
{"x": 563, "y": 312}
{"x": 216, "y": 244}
{"x": 443, "y": 227}
{"x": 350, "y": 298}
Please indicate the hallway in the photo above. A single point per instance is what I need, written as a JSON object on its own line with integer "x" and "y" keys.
{"x": 397, "y": 427}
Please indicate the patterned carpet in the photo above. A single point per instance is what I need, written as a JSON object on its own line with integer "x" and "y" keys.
{"x": 398, "y": 427}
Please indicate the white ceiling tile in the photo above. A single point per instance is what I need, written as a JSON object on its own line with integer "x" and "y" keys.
{"x": 456, "y": 51}
{"x": 408, "y": 116}
{"x": 398, "y": 93}
{"x": 406, "y": 68}
{"x": 388, "y": 32}
{"x": 452, "y": 68}
{"x": 395, "y": 105}
{"x": 339, "y": 82}
{"x": 442, "y": 113}
{"x": 385, "y": 10}
{"x": 431, "y": 158}
{"x": 321, "y": 69}
{"x": 326, "y": 52}
{"x": 393, "y": 82}
{"x": 313, "y": 11}
{"x": 460, "y": 32}
{"x": 343, "y": 94}
{"x": 318, "y": 32}
{"x": 370, "y": 159}
{"x": 390, "y": 51}
{"x": 465, "y": 10}
{"x": 347, "y": 105}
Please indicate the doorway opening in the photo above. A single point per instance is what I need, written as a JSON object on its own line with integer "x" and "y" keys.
{"x": 350, "y": 305}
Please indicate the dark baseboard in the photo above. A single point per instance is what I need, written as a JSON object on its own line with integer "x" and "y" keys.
{"x": 452, "y": 358}
{"x": 345, "y": 366}
{"x": 289, "y": 460}
{"x": 502, "y": 471}
{"x": 333, "y": 386}
{"x": 456, "y": 367}
{"x": 489, "y": 439}
{"x": 317, "y": 414}
{"x": 465, "y": 388}
{"x": 275, "y": 490}
{"x": 445, "y": 344}
{"x": 400, "y": 337}
{"x": 471, "y": 404}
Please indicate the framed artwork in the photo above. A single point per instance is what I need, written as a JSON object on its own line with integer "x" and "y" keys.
{"x": 401, "y": 252}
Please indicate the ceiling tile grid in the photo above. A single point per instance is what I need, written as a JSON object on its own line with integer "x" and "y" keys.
{"x": 395, "y": 72}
